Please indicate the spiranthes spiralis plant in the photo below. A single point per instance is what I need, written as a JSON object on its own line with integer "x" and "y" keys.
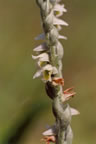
{"x": 49, "y": 61}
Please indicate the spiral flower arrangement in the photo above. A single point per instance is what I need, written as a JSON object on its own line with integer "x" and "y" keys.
{"x": 49, "y": 61}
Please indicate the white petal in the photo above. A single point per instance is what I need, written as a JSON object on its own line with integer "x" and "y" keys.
{"x": 42, "y": 57}
{"x": 41, "y": 47}
{"x": 74, "y": 112}
{"x": 48, "y": 132}
{"x": 57, "y": 21}
{"x": 59, "y": 7}
{"x": 62, "y": 37}
{"x": 37, "y": 74}
{"x": 51, "y": 131}
{"x": 34, "y": 57}
{"x": 40, "y": 37}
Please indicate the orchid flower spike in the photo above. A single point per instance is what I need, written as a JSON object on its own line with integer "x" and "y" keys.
{"x": 48, "y": 57}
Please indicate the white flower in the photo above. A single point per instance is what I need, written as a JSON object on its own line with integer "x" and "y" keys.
{"x": 59, "y": 10}
{"x": 59, "y": 7}
{"x": 46, "y": 72}
{"x": 42, "y": 58}
{"x": 37, "y": 74}
{"x": 52, "y": 130}
{"x": 40, "y": 48}
{"x": 57, "y": 21}
{"x": 74, "y": 112}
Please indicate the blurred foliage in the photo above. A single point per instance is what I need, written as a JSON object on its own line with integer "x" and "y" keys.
{"x": 25, "y": 109}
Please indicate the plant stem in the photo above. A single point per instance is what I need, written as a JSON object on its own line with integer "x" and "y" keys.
{"x": 61, "y": 110}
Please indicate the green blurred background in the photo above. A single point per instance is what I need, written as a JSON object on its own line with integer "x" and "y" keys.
{"x": 25, "y": 110}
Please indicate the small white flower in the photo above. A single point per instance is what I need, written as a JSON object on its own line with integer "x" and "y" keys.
{"x": 48, "y": 132}
{"x": 37, "y": 74}
{"x": 48, "y": 70}
{"x": 57, "y": 21}
{"x": 59, "y": 10}
{"x": 40, "y": 48}
{"x": 74, "y": 112}
{"x": 59, "y": 7}
{"x": 52, "y": 130}
{"x": 42, "y": 58}
{"x": 40, "y": 37}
